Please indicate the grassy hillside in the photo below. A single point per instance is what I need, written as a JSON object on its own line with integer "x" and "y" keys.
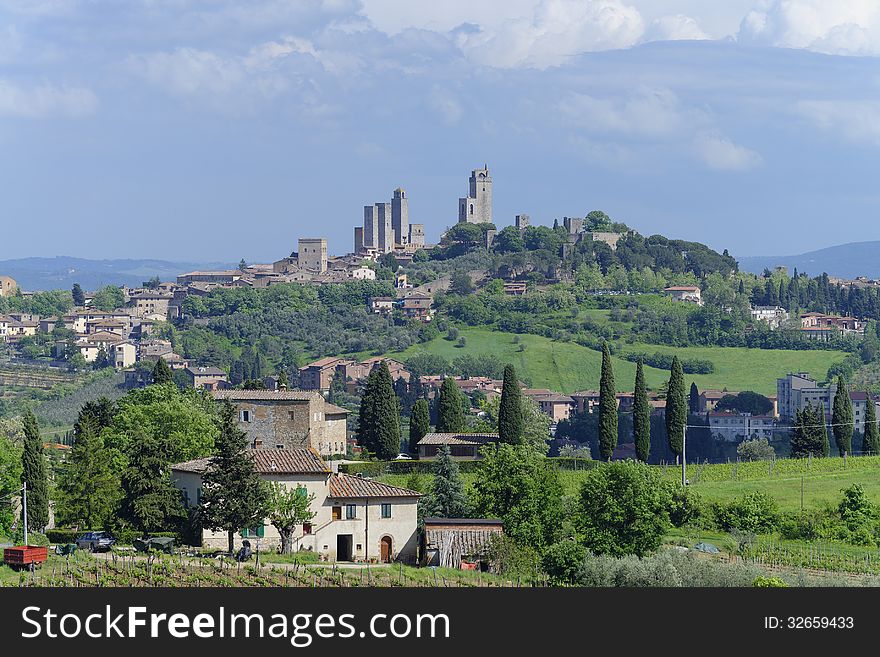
{"x": 567, "y": 367}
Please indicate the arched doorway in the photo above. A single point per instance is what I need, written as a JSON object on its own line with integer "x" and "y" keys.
{"x": 386, "y": 549}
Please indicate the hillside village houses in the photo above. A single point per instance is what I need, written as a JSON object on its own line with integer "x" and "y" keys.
{"x": 356, "y": 519}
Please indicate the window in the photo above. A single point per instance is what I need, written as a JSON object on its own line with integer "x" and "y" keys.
{"x": 291, "y": 415}
{"x": 245, "y": 416}
{"x": 307, "y": 528}
{"x": 254, "y": 532}
{"x": 350, "y": 512}
{"x": 386, "y": 510}
{"x": 337, "y": 513}
{"x": 301, "y": 491}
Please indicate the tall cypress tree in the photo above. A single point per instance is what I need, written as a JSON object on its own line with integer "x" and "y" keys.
{"x": 694, "y": 399}
{"x": 842, "y": 418}
{"x": 510, "y": 416}
{"x": 386, "y": 409}
{"x": 367, "y": 414}
{"x": 33, "y": 472}
{"x": 676, "y": 407}
{"x": 607, "y": 407}
{"x": 871, "y": 440}
{"x": 161, "y": 372}
{"x": 234, "y": 496}
{"x": 419, "y": 424}
{"x": 450, "y": 415}
{"x": 641, "y": 415}
{"x": 820, "y": 423}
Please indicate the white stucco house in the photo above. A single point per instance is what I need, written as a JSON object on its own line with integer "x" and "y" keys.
{"x": 356, "y": 519}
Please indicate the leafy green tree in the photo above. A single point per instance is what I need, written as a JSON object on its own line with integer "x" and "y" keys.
{"x": 450, "y": 415}
{"x": 694, "y": 399}
{"x": 745, "y": 402}
{"x": 234, "y": 496}
{"x": 510, "y": 415}
{"x": 10, "y": 470}
{"x": 446, "y": 498}
{"x": 871, "y": 441}
{"x": 95, "y": 415}
{"x": 461, "y": 283}
{"x": 288, "y": 507}
{"x": 641, "y": 415}
{"x": 151, "y": 502}
{"x": 108, "y": 297}
{"x": 623, "y": 509}
{"x": 419, "y": 424}
{"x": 522, "y": 488}
{"x": 79, "y": 297}
{"x": 607, "y": 407}
{"x": 676, "y": 408}
{"x": 102, "y": 360}
{"x": 34, "y": 473}
{"x": 162, "y": 373}
{"x": 842, "y": 418}
{"x": 89, "y": 488}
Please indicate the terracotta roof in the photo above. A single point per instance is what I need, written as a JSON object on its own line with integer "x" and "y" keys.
{"x": 323, "y": 362}
{"x": 265, "y": 395}
{"x": 268, "y": 461}
{"x": 682, "y": 288}
{"x": 458, "y": 438}
{"x": 345, "y": 485}
{"x": 205, "y": 371}
{"x": 334, "y": 409}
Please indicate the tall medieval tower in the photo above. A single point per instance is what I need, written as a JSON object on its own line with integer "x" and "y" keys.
{"x": 477, "y": 207}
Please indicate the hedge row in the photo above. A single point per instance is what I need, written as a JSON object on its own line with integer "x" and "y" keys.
{"x": 379, "y": 468}
{"x": 124, "y": 536}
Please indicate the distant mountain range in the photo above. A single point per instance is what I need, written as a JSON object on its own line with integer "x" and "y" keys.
{"x": 844, "y": 261}
{"x": 61, "y": 272}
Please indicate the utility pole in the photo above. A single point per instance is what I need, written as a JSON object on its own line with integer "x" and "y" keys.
{"x": 683, "y": 457}
{"x": 24, "y": 510}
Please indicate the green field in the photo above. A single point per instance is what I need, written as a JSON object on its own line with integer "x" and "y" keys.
{"x": 568, "y": 367}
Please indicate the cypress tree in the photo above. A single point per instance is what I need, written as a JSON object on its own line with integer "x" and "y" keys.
{"x": 419, "y": 424}
{"x": 161, "y": 372}
{"x": 510, "y": 417}
{"x": 820, "y": 421}
{"x": 367, "y": 414}
{"x": 446, "y": 498}
{"x": 694, "y": 399}
{"x": 641, "y": 416}
{"x": 676, "y": 408}
{"x": 79, "y": 297}
{"x": 234, "y": 496}
{"x": 450, "y": 416}
{"x": 33, "y": 471}
{"x": 842, "y": 418}
{"x": 871, "y": 443}
{"x": 607, "y": 407}
{"x": 386, "y": 409}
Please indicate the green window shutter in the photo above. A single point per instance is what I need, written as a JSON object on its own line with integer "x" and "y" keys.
{"x": 243, "y": 533}
{"x": 261, "y": 531}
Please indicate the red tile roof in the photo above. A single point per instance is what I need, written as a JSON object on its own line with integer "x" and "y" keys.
{"x": 345, "y": 485}
{"x": 268, "y": 461}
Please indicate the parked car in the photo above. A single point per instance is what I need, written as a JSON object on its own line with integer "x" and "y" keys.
{"x": 403, "y": 457}
{"x": 95, "y": 541}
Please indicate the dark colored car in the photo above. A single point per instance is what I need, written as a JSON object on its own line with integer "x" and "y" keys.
{"x": 95, "y": 541}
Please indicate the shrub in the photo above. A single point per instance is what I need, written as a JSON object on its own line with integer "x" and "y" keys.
{"x": 769, "y": 582}
{"x": 756, "y": 449}
{"x": 508, "y": 558}
{"x": 754, "y": 512}
{"x": 562, "y": 561}
{"x": 687, "y": 507}
{"x": 63, "y": 535}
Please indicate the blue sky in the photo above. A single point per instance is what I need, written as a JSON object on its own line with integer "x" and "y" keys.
{"x": 212, "y": 130}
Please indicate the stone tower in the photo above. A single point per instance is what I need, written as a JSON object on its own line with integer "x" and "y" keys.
{"x": 312, "y": 254}
{"x": 386, "y": 233}
{"x": 371, "y": 227}
{"x": 400, "y": 217}
{"x": 476, "y": 208}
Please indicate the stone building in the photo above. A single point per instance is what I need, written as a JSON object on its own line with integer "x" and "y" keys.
{"x": 285, "y": 419}
{"x": 385, "y": 242}
{"x": 312, "y": 254}
{"x": 209, "y": 378}
{"x": 522, "y": 221}
{"x": 147, "y": 303}
{"x": 476, "y": 207}
{"x": 356, "y": 519}
{"x": 8, "y": 286}
{"x": 400, "y": 217}
{"x": 417, "y": 235}
{"x": 358, "y": 239}
{"x": 371, "y": 227}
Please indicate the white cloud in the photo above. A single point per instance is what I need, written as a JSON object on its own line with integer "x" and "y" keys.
{"x": 838, "y": 27}
{"x": 653, "y": 113}
{"x": 857, "y": 120}
{"x": 557, "y": 31}
{"x": 675, "y": 28}
{"x": 445, "y": 105}
{"x": 45, "y": 101}
{"x": 719, "y": 152}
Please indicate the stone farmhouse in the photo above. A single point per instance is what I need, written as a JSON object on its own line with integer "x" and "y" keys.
{"x": 686, "y": 293}
{"x": 462, "y": 446}
{"x": 356, "y": 519}
{"x": 286, "y": 419}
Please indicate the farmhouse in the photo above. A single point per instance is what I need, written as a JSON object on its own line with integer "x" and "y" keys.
{"x": 355, "y": 519}
{"x": 209, "y": 378}
{"x": 687, "y": 293}
{"x": 463, "y": 446}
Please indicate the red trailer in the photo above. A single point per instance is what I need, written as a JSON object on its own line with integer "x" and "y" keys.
{"x": 23, "y": 556}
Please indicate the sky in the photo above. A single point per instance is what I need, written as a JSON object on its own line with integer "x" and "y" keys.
{"x": 214, "y": 130}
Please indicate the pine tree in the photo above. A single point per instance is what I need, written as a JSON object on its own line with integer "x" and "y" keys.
{"x": 871, "y": 443}
{"x": 607, "y": 407}
{"x": 79, "y": 297}
{"x": 694, "y": 399}
{"x": 151, "y": 501}
{"x": 419, "y": 424}
{"x": 446, "y": 498}
{"x": 450, "y": 415}
{"x": 161, "y": 372}
{"x": 510, "y": 416}
{"x": 842, "y": 418}
{"x": 33, "y": 472}
{"x": 89, "y": 488}
{"x": 676, "y": 408}
{"x": 641, "y": 415}
{"x": 234, "y": 497}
